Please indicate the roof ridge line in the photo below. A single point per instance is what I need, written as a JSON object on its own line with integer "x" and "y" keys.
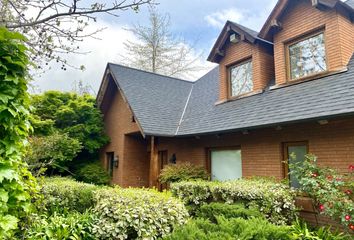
{"x": 145, "y": 71}
{"x": 184, "y": 110}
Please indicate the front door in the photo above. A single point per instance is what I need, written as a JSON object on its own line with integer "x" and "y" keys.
{"x": 225, "y": 164}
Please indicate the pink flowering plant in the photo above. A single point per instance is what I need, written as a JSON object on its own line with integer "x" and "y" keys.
{"x": 331, "y": 191}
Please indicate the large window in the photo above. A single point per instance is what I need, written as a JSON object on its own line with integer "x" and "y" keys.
{"x": 307, "y": 56}
{"x": 241, "y": 79}
{"x": 225, "y": 164}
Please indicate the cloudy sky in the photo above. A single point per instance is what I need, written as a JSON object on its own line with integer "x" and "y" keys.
{"x": 198, "y": 21}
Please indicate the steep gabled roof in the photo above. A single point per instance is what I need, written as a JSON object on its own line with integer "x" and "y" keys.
{"x": 249, "y": 35}
{"x": 167, "y": 106}
{"x": 280, "y": 7}
{"x": 156, "y": 101}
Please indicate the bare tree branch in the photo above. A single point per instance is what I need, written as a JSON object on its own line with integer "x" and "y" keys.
{"x": 157, "y": 50}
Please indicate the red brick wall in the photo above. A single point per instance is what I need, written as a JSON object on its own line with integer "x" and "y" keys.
{"x": 300, "y": 18}
{"x": 262, "y": 149}
{"x": 132, "y": 170}
{"x": 262, "y": 63}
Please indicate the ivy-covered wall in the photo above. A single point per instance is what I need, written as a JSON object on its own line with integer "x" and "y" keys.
{"x": 15, "y": 180}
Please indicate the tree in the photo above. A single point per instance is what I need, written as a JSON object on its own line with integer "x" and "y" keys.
{"x": 53, "y": 27}
{"x": 71, "y": 114}
{"x": 158, "y": 51}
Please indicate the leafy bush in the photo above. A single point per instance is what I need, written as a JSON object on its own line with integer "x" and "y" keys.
{"x": 300, "y": 230}
{"x": 73, "y": 226}
{"x": 333, "y": 192}
{"x": 53, "y": 151}
{"x": 275, "y": 200}
{"x": 213, "y": 210}
{"x": 235, "y": 228}
{"x": 62, "y": 195}
{"x": 182, "y": 172}
{"x": 93, "y": 173}
{"x": 136, "y": 213}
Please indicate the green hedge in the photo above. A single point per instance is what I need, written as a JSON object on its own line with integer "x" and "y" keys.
{"x": 213, "y": 210}
{"x": 275, "y": 200}
{"x": 73, "y": 226}
{"x": 93, "y": 173}
{"x": 235, "y": 228}
{"x": 136, "y": 213}
{"x": 183, "y": 172}
{"x": 62, "y": 195}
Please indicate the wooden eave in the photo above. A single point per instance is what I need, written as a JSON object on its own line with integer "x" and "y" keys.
{"x": 273, "y": 23}
{"x": 217, "y": 52}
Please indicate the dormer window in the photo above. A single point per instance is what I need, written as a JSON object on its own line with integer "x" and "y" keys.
{"x": 307, "y": 56}
{"x": 241, "y": 81}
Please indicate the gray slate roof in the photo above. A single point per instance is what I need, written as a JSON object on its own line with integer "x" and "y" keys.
{"x": 159, "y": 102}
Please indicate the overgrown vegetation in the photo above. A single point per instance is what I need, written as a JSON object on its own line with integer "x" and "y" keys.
{"x": 92, "y": 173}
{"x": 275, "y": 200}
{"x": 68, "y": 131}
{"x": 183, "y": 172}
{"x": 332, "y": 192}
{"x": 16, "y": 183}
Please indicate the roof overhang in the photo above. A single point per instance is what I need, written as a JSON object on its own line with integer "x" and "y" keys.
{"x": 273, "y": 23}
{"x": 218, "y": 50}
{"x": 103, "y": 89}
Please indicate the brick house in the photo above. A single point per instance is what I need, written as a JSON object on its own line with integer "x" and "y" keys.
{"x": 288, "y": 88}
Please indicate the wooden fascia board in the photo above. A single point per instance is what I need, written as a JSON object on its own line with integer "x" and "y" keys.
{"x": 103, "y": 87}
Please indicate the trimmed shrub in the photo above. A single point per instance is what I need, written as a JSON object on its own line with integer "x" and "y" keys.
{"x": 71, "y": 226}
{"x": 213, "y": 210}
{"x": 93, "y": 173}
{"x": 136, "y": 214}
{"x": 235, "y": 228}
{"x": 62, "y": 195}
{"x": 275, "y": 200}
{"x": 182, "y": 172}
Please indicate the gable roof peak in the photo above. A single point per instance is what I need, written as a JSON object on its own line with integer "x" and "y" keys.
{"x": 245, "y": 33}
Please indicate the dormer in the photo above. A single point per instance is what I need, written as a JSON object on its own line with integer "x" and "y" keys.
{"x": 312, "y": 38}
{"x": 246, "y": 63}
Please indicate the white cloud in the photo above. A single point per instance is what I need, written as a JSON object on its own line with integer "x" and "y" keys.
{"x": 99, "y": 53}
{"x": 218, "y": 19}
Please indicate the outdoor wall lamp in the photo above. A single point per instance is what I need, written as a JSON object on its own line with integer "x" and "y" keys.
{"x": 116, "y": 162}
{"x": 173, "y": 159}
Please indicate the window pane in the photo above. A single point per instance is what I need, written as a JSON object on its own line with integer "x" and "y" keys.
{"x": 226, "y": 165}
{"x": 241, "y": 79}
{"x": 307, "y": 57}
{"x": 299, "y": 153}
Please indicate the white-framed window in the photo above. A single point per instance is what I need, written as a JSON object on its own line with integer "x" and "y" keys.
{"x": 241, "y": 79}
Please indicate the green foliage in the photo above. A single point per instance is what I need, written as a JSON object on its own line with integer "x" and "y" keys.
{"x": 136, "y": 214}
{"x": 333, "y": 192}
{"x": 230, "y": 229}
{"x": 93, "y": 173}
{"x": 74, "y": 226}
{"x": 275, "y": 200}
{"x": 16, "y": 183}
{"x": 213, "y": 210}
{"x": 53, "y": 151}
{"x": 62, "y": 195}
{"x": 300, "y": 231}
{"x": 70, "y": 113}
{"x": 182, "y": 172}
